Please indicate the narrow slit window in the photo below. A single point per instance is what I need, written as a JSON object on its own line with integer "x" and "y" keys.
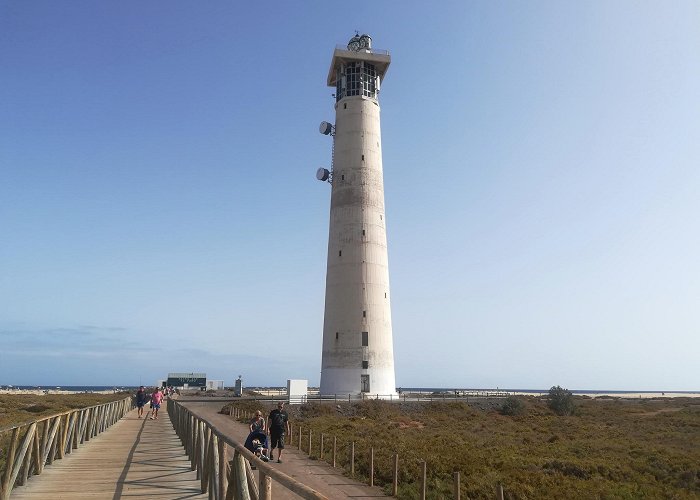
{"x": 364, "y": 314}
{"x": 336, "y": 335}
{"x": 342, "y": 177}
{"x": 365, "y": 339}
{"x": 385, "y": 295}
{"x": 340, "y": 253}
{"x": 363, "y": 157}
{"x": 365, "y": 365}
{"x": 363, "y": 232}
{"x": 345, "y": 105}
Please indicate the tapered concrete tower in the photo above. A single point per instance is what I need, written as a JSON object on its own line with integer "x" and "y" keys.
{"x": 358, "y": 352}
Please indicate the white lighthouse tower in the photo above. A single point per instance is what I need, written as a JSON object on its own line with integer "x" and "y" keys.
{"x": 358, "y": 351}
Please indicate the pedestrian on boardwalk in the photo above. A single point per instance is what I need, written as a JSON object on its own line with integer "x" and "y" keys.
{"x": 257, "y": 423}
{"x": 141, "y": 398}
{"x": 156, "y": 399}
{"x": 278, "y": 424}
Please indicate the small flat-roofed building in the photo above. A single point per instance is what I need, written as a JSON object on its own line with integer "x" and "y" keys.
{"x": 187, "y": 380}
{"x": 215, "y": 385}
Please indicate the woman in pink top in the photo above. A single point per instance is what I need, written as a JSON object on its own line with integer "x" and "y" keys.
{"x": 156, "y": 398}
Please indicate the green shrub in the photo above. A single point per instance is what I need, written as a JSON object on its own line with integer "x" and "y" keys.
{"x": 561, "y": 401}
{"x": 512, "y": 406}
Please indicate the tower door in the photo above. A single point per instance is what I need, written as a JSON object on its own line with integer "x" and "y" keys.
{"x": 364, "y": 383}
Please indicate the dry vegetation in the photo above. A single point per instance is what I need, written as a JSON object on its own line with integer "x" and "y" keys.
{"x": 609, "y": 448}
{"x": 20, "y": 408}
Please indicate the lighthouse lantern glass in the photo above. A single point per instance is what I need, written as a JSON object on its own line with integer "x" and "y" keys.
{"x": 356, "y": 78}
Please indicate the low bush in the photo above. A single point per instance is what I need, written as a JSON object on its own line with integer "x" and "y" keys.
{"x": 561, "y": 401}
{"x": 513, "y": 406}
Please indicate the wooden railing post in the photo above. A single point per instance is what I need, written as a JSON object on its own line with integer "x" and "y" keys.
{"x": 371, "y": 466}
{"x": 214, "y": 479}
{"x": 5, "y": 487}
{"x": 320, "y": 448}
{"x": 395, "y": 476}
{"x": 309, "y": 441}
{"x": 223, "y": 462}
{"x": 265, "y": 487}
{"x": 204, "y": 464}
{"x": 499, "y": 491}
{"x": 456, "y": 487}
{"x": 352, "y": 458}
{"x": 250, "y": 481}
{"x": 335, "y": 444}
{"x": 241, "y": 482}
{"x": 423, "y": 479}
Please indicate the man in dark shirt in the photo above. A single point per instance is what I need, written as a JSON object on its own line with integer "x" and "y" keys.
{"x": 140, "y": 400}
{"x": 277, "y": 425}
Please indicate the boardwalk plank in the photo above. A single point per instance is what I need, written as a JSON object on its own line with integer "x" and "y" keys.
{"x": 135, "y": 458}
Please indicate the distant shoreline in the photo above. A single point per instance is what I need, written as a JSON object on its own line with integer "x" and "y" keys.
{"x": 101, "y": 389}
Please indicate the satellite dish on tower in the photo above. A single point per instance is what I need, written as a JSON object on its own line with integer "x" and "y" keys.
{"x": 323, "y": 174}
{"x": 326, "y": 128}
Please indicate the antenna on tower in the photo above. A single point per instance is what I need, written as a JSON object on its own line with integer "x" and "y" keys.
{"x": 323, "y": 174}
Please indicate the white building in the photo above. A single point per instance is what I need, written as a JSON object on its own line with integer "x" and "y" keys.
{"x": 215, "y": 385}
{"x": 358, "y": 352}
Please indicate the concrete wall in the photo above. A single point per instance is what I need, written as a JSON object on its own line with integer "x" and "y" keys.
{"x": 357, "y": 279}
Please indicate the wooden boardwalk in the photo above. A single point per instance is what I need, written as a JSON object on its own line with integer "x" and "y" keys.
{"x": 135, "y": 458}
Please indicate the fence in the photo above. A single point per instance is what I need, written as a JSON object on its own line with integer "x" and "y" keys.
{"x": 305, "y": 444}
{"x": 206, "y": 448}
{"x": 275, "y": 393}
{"x": 34, "y": 445}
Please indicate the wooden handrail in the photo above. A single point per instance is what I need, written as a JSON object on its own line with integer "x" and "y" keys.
{"x": 205, "y": 445}
{"x": 49, "y": 438}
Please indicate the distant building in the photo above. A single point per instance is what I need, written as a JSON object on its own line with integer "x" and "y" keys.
{"x": 297, "y": 391}
{"x": 187, "y": 380}
{"x": 215, "y": 385}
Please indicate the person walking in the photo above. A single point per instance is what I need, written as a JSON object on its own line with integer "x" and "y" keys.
{"x": 141, "y": 398}
{"x": 156, "y": 399}
{"x": 278, "y": 424}
{"x": 257, "y": 423}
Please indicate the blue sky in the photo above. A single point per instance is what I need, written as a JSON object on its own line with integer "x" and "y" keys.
{"x": 159, "y": 212}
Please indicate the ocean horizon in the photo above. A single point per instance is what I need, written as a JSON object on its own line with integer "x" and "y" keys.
{"x": 119, "y": 388}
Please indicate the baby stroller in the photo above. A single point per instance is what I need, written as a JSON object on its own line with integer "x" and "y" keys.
{"x": 257, "y": 443}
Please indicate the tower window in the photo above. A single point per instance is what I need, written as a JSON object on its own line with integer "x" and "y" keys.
{"x": 336, "y": 335}
{"x": 385, "y": 295}
{"x": 363, "y": 232}
{"x": 345, "y": 105}
{"x": 363, "y": 157}
{"x": 340, "y": 253}
{"x": 365, "y": 339}
{"x": 364, "y": 314}
{"x": 365, "y": 365}
{"x": 342, "y": 177}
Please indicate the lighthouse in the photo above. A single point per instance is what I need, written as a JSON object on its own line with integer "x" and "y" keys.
{"x": 358, "y": 351}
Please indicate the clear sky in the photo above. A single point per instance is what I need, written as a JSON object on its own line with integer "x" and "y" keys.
{"x": 159, "y": 211}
